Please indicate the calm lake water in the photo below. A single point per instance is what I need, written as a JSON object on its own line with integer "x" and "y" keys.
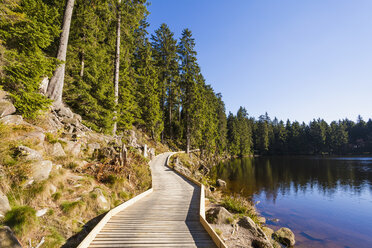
{"x": 327, "y": 202}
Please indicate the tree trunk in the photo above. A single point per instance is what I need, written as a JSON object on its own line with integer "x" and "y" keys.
{"x": 187, "y": 132}
{"x": 55, "y": 86}
{"x": 117, "y": 67}
{"x": 82, "y": 65}
{"x": 170, "y": 113}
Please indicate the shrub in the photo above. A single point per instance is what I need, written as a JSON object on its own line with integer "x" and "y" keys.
{"x": 21, "y": 219}
{"x": 235, "y": 205}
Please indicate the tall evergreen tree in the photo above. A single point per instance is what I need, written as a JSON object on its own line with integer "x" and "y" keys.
{"x": 189, "y": 73}
{"x": 166, "y": 61}
{"x": 55, "y": 86}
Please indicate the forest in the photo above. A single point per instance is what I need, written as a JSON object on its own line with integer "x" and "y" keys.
{"x": 117, "y": 75}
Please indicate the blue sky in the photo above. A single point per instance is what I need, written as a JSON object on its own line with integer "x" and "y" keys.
{"x": 294, "y": 59}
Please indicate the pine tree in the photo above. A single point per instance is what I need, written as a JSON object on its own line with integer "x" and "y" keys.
{"x": 189, "y": 73}
{"x": 147, "y": 78}
{"x": 89, "y": 68}
{"x": 55, "y": 86}
{"x": 25, "y": 34}
{"x": 166, "y": 61}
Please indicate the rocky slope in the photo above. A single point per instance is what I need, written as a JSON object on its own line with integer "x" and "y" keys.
{"x": 56, "y": 175}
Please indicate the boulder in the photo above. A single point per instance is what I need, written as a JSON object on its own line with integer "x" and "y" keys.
{"x": 4, "y": 204}
{"x": 73, "y": 148}
{"x": 261, "y": 219}
{"x": 133, "y": 139}
{"x": 56, "y": 150}
{"x": 8, "y": 239}
{"x": 28, "y": 153}
{"x": 41, "y": 170}
{"x": 285, "y": 236}
{"x": 12, "y": 120}
{"x": 6, "y": 108}
{"x": 3, "y": 95}
{"x": 268, "y": 231}
{"x": 221, "y": 183}
{"x": 219, "y": 215}
{"x": 37, "y": 136}
{"x": 249, "y": 224}
{"x": 101, "y": 199}
{"x": 64, "y": 111}
{"x": 92, "y": 147}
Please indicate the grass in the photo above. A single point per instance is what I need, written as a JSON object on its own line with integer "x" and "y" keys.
{"x": 218, "y": 231}
{"x": 21, "y": 219}
{"x": 234, "y": 205}
{"x": 54, "y": 239}
{"x": 51, "y": 138}
{"x": 67, "y": 206}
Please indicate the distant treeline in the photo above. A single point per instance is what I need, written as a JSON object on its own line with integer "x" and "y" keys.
{"x": 247, "y": 136}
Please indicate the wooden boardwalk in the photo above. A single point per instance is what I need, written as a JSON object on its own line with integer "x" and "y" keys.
{"x": 168, "y": 217}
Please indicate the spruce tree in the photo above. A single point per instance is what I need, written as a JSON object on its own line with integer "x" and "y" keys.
{"x": 166, "y": 60}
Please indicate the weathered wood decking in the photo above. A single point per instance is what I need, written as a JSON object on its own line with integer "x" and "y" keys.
{"x": 168, "y": 217}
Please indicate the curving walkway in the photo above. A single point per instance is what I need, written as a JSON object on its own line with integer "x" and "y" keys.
{"x": 168, "y": 217}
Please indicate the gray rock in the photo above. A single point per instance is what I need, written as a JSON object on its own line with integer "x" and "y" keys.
{"x": 249, "y": 224}
{"x": 133, "y": 139}
{"x": 12, "y": 119}
{"x": 8, "y": 239}
{"x": 4, "y": 204}
{"x": 6, "y": 108}
{"x": 52, "y": 189}
{"x": 37, "y": 136}
{"x": 221, "y": 183}
{"x": 41, "y": 170}
{"x": 92, "y": 147}
{"x": 73, "y": 148}
{"x": 219, "y": 215}
{"x": 29, "y": 154}
{"x": 268, "y": 231}
{"x": 101, "y": 199}
{"x": 56, "y": 150}
{"x": 261, "y": 219}
{"x": 152, "y": 153}
{"x": 64, "y": 111}
{"x": 285, "y": 236}
{"x": 41, "y": 212}
{"x": 3, "y": 95}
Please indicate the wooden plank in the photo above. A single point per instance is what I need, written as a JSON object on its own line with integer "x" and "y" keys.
{"x": 169, "y": 217}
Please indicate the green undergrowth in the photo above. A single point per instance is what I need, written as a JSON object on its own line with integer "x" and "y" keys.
{"x": 21, "y": 219}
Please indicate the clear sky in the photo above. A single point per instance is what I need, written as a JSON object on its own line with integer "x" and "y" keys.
{"x": 296, "y": 59}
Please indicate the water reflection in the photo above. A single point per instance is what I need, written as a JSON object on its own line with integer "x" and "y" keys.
{"x": 327, "y": 201}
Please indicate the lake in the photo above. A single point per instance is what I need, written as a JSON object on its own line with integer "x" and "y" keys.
{"x": 326, "y": 202}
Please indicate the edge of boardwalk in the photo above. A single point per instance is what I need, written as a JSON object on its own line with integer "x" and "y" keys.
{"x": 216, "y": 239}
{"x": 90, "y": 237}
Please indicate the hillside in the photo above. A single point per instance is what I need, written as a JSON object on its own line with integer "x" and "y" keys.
{"x": 56, "y": 174}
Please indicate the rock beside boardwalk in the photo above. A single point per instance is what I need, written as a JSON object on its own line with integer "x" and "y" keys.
{"x": 285, "y": 236}
{"x": 219, "y": 215}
